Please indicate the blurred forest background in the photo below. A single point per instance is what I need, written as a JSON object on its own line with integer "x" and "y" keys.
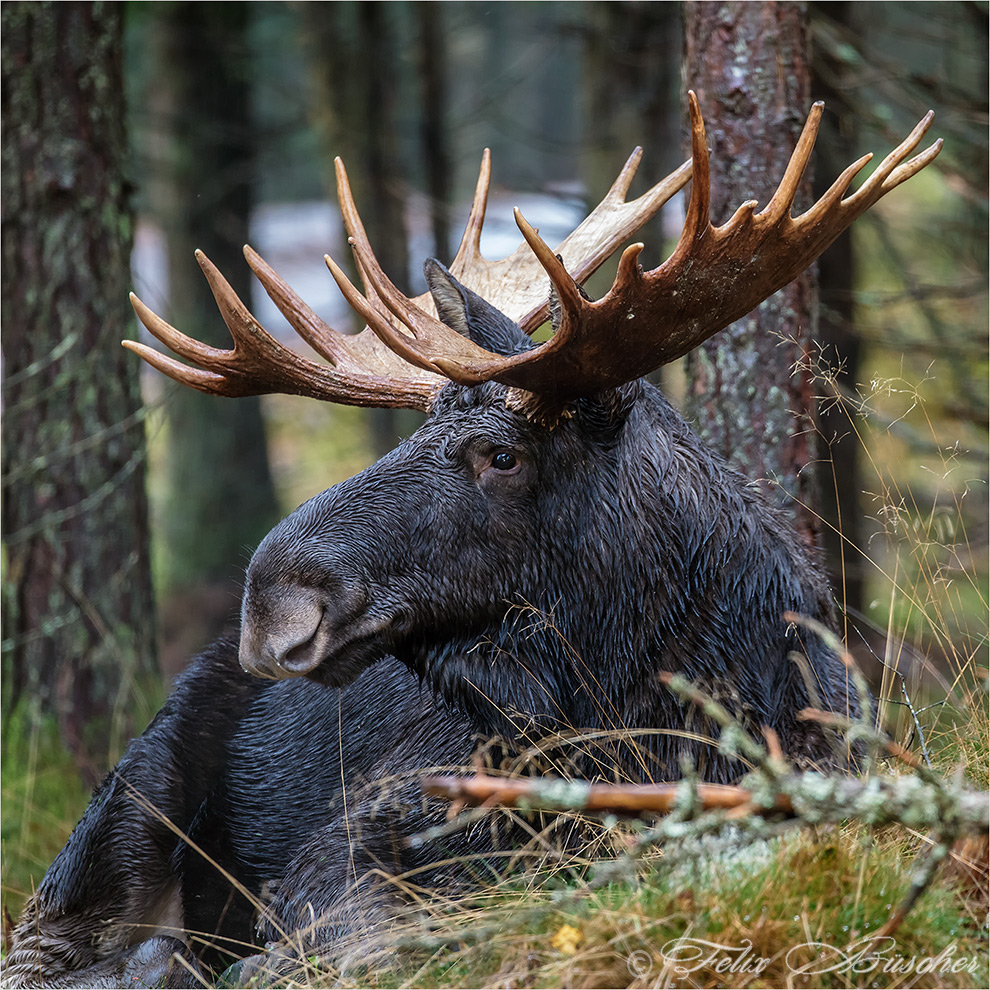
{"x": 225, "y": 118}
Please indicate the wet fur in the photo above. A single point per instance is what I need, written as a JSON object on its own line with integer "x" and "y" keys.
{"x": 511, "y": 607}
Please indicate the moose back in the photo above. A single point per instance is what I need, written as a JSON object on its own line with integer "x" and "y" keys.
{"x": 522, "y": 568}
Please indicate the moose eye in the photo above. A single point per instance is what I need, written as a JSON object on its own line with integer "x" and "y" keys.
{"x": 504, "y": 461}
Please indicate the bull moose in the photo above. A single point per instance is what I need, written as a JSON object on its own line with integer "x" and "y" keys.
{"x": 521, "y": 568}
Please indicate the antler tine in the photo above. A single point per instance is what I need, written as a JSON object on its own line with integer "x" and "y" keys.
{"x": 319, "y": 335}
{"x": 565, "y": 286}
{"x": 197, "y": 378}
{"x": 912, "y": 167}
{"x": 258, "y": 364}
{"x": 699, "y": 208}
{"x": 620, "y": 188}
{"x": 221, "y": 372}
{"x": 354, "y": 226}
{"x": 183, "y": 345}
{"x": 835, "y": 192}
{"x": 348, "y": 209}
{"x": 782, "y": 200}
{"x": 697, "y": 218}
{"x": 620, "y": 218}
{"x": 358, "y": 354}
{"x": 247, "y": 332}
{"x": 433, "y": 346}
{"x": 357, "y": 236}
{"x": 469, "y": 250}
{"x": 408, "y": 348}
{"x": 890, "y": 172}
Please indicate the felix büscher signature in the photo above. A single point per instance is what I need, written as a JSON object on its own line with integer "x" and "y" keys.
{"x": 868, "y": 955}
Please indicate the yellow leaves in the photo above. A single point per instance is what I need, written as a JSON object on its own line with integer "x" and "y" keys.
{"x": 566, "y": 940}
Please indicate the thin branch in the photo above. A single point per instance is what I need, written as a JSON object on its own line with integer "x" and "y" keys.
{"x": 815, "y": 797}
{"x": 554, "y": 794}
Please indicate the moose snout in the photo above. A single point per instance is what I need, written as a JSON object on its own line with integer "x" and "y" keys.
{"x": 288, "y": 637}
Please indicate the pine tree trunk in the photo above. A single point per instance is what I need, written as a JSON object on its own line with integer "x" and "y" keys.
{"x": 221, "y": 498}
{"x": 840, "y": 470}
{"x": 748, "y": 392}
{"x": 78, "y": 612}
{"x": 355, "y": 57}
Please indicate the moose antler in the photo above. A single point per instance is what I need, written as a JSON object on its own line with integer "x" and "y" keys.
{"x": 363, "y": 369}
{"x": 647, "y": 319}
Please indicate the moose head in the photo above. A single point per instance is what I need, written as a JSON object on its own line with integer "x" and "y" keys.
{"x": 550, "y": 480}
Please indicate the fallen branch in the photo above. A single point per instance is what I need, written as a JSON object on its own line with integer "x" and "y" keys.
{"x": 813, "y": 797}
{"x": 555, "y": 794}
{"x": 920, "y": 800}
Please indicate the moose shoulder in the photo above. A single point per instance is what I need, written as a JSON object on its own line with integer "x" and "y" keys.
{"x": 525, "y": 565}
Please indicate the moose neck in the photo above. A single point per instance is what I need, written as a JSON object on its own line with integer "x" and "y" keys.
{"x": 690, "y": 570}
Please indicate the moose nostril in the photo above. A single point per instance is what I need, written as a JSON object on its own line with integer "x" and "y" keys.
{"x": 305, "y": 656}
{"x": 286, "y": 633}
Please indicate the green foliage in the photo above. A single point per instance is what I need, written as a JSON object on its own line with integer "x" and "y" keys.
{"x": 43, "y": 794}
{"x": 42, "y": 798}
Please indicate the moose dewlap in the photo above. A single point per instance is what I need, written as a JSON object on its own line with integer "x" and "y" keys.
{"x": 522, "y": 568}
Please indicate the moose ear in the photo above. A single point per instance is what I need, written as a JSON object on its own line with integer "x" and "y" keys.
{"x": 467, "y": 313}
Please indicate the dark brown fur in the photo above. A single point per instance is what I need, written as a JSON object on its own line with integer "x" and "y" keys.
{"x": 457, "y": 596}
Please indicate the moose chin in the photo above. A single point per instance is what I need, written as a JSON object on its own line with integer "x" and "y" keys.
{"x": 524, "y": 566}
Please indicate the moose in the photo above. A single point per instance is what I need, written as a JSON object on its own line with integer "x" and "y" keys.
{"x": 521, "y": 569}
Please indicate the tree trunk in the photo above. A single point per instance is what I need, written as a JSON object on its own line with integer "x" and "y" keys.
{"x": 839, "y": 471}
{"x": 748, "y": 390}
{"x": 434, "y": 135}
{"x": 631, "y": 82}
{"x": 221, "y": 499}
{"x": 78, "y": 611}
{"x": 355, "y": 61}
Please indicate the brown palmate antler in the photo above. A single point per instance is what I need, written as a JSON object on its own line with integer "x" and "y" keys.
{"x": 363, "y": 369}
{"x": 647, "y": 319}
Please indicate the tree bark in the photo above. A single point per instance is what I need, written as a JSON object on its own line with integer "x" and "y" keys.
{"x": 78, "y": 611}
{"x": 840, "y": 471}
{"x": 356, "y": 68}
{"x": 749, "y": 391}
{"x": 434, "y": 134}
{"x": 221, "y": 498}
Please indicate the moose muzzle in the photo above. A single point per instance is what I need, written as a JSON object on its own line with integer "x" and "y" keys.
{"x": 288, "y": 634}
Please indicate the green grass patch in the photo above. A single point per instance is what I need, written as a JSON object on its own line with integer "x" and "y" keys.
{"x": 42, "y": 798}
{"x": 43, "y": 794}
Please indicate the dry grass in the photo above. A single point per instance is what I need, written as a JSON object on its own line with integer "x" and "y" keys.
{"x": 801, "y": 909}
{"x": 735, "y": 917}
